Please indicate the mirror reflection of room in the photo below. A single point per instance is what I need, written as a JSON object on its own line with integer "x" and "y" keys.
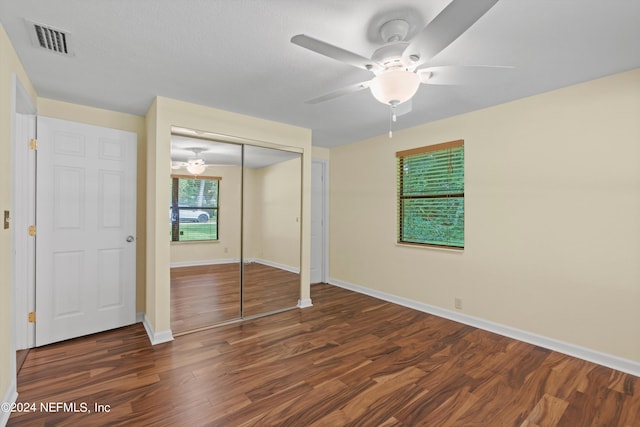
{"x": 234, "y": 230}
{"x": 271, "y": 230}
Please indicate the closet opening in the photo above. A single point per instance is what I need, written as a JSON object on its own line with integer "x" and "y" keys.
{"x": 234, "y": 229}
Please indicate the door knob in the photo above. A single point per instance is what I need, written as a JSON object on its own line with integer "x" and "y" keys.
{"x": 130, "y": 238}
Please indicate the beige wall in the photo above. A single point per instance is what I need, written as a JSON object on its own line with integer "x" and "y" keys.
{"x": 165, "y": 113}
{"x": 10, "y": 66}
{"x": 252, "y": 237}
{"x": 120, "y": 121}
{"x": 552, "y": 216}
{"x": 227, "y": 247}
{"x": 321, "y": 153}
{"x": 272, "y": 213}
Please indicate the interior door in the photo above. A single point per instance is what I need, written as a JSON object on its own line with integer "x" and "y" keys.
{"x": 86, "y": 221}
{"x": 317, "y": 226}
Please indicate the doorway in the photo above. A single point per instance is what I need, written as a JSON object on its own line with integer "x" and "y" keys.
{"x": 23, "y": 215}
{"x": 319, "y": 223}
{"x": 79, "y": 290}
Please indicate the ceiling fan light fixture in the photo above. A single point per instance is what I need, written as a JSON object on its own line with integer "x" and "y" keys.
{"x": 395, "y": 86}
{"x": 197, "y": 167}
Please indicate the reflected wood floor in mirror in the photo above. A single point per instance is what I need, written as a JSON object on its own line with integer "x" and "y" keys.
{"x": 349, "y": 360}
{"x": 203, "y": 296}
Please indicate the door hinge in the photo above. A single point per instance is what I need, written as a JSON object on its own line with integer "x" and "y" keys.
{"x": 33, "y": 144}
{"x": 32, "y": 317}
{"x": 32, "y": 230}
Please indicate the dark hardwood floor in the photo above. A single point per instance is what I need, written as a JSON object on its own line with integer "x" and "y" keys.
{"x": 348, "y": 360}
{"x": 21, "y": 355}
{"x": 206, "y": 295}
{"x": 268, "y": 289}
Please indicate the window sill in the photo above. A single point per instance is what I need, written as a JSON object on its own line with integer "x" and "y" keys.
{"x": 191, "y": 242}
{"x": 431, "y": 247}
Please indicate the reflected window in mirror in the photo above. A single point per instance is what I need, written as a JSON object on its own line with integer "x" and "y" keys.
{"x": 194, "y": 208}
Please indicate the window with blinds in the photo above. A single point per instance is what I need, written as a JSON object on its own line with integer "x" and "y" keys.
{"x": 194, "y": 208}
{"x": 431, "y": 195}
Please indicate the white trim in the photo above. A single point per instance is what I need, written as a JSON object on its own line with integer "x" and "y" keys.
{"x": 590, "y": 355}
{"x": 204, "y": 262}
{"x": 20, "y": 104}
{"x": 10, "y": 397}
{"x": 140, "y": 317}
{"x": 23, "y": 128}
{"x": 156, "y": 337}
{"x": 305, "y": 303}
{"x": 198, "y": 263}
{"x": 22, "y": 216}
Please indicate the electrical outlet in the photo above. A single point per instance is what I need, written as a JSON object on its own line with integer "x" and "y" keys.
{"x": 457, "y": 303}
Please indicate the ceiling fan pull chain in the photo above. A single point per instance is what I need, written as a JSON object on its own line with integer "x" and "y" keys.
{"x": 392, "y": 118}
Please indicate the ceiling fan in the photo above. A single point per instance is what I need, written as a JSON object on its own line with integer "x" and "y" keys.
{"x": 395, "y": 65}
{"x": 195, "y": 165}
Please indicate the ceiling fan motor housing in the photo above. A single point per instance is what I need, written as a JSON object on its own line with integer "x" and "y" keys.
{"x": 390, "y": 55}
{"x": 395, "y": 30}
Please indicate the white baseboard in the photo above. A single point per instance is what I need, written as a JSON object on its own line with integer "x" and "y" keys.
{"x": 156, "y": 337}
{"x": 590, "y": 355}
{"x": 139, "y": 317}
{"x": 274, "y": 265}
{"x": 10, "y": 396}
{"x": 305, "y": 303}
{"x": 198, "y": 263}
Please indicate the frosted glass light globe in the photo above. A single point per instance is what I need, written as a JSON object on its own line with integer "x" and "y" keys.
{"x": 394, "y": 87}
{"x": 196, "y": 168}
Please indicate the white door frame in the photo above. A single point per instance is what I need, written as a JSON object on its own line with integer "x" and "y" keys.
{"x": 324, "y": 166}
{"x": 23, "y": 128}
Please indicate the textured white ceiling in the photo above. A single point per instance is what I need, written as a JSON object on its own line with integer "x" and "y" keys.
{"x": 236, "y": 55}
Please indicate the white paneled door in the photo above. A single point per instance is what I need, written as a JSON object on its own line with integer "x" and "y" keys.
{"x": 86, "y": 222}
{"x": 317, "y": 222}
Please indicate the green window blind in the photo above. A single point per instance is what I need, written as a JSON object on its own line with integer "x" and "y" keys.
{"x": 194, "y": 208}
{"x": 431, "y": 195}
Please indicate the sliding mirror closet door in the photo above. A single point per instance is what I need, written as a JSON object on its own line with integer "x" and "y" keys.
{"x": 271, "y": 230}
{"x": 205, "y": 233}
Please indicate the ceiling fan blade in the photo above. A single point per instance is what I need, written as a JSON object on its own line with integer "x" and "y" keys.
{"x": 336, "y": 93}
{"x": 478, "y": 75}
{"x": 454, "y": 20}
{"x": 335, "y": 52}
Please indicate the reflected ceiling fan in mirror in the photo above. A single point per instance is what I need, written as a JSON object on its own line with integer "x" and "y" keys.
{"x": 396, "y": 65}
{"x": 195, "y": 165}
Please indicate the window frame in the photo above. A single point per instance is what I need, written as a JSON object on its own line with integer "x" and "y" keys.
{"x": 400, "y": 197}
{"x": 175, "y": 224}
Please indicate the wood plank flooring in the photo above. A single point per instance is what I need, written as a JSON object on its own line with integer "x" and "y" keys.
{"x": 267, "y": 289}
{"x": 21, "y": 355}
{"x": 205, "y": 295}
{"x": 348, "y": 360}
